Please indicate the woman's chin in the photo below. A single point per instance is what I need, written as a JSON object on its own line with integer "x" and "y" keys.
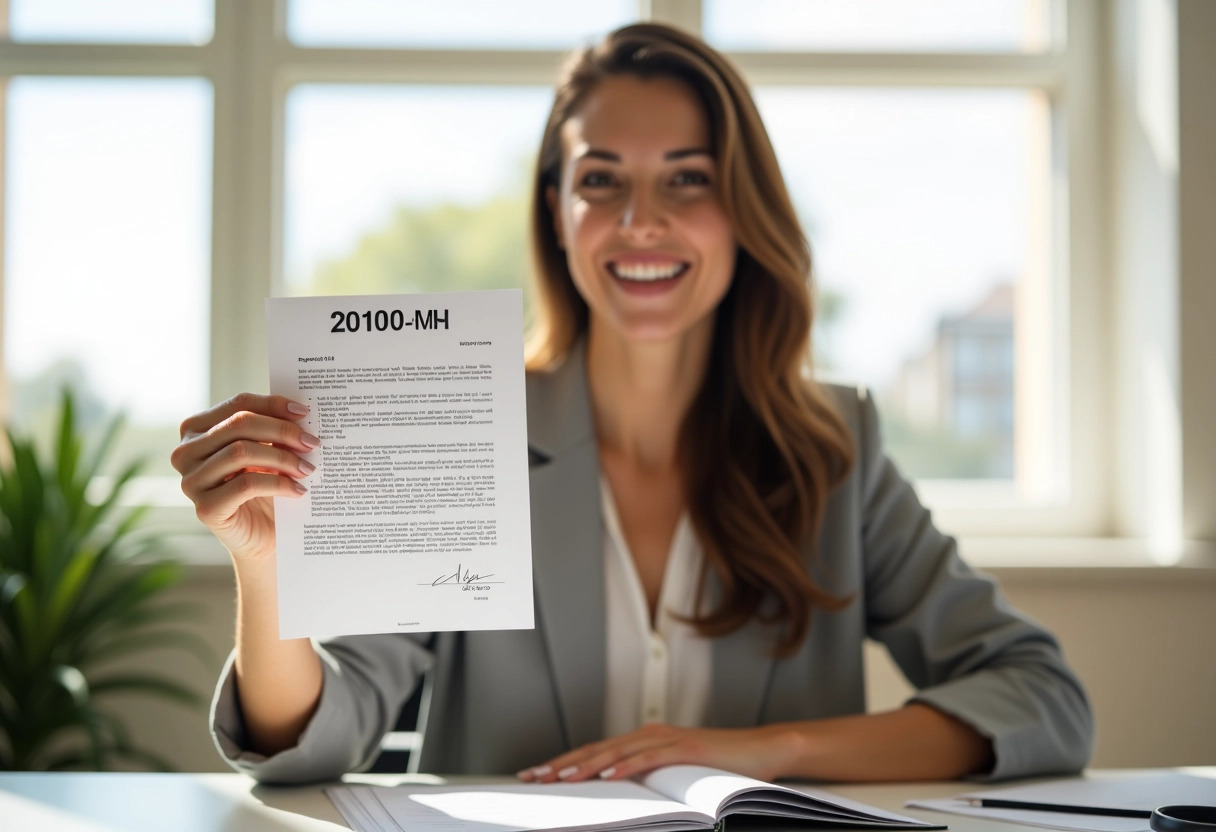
{"x": 658, "y": 330}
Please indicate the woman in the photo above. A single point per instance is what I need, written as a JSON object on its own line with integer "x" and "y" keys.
{"x": 714, "y": 534}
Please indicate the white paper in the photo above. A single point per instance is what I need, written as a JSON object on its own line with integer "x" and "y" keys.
{"x": 417, "y": 516}
{"x": 1144, "y": 793}
{"x": 1026, "y": 817}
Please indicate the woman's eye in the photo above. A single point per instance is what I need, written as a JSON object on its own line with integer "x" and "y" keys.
{"x": 597, "y": 180}
{"x": 691, "y": 177}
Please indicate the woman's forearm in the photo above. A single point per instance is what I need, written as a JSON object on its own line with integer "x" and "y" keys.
{"x": 278, "y": 680}
{"x": 916, "y": 742}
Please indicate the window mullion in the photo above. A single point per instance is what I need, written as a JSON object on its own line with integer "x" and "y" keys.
{"x": 248, "y": 157}
{"x": 104, "y": 59}
{"x": 687, "y": 14}
{"x": 1047, "y": 71}
{"x": 294, "y": 64}
{"x": 1084, "y": 287}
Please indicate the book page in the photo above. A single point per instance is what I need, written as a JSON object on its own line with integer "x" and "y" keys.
{"x": 721, "y": 793}
{"x": 705, "y": 789}
{"x": 596, "y": 805}
{"x": 417, "y": 515}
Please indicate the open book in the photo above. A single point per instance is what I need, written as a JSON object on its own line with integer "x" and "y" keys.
{"x": 669, "y": 799}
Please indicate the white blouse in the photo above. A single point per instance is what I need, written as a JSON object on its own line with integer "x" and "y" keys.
{"x": 659, "y": 674}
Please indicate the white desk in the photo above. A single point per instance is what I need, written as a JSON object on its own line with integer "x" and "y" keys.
{"x": 109, "y": 802}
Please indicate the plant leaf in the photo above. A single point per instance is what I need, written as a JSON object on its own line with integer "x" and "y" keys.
{"x": 128, "y": 593}
{"x": 73, "y": 682}
{"x": 67, "y": 591}
{"x": 67, "y": 449}
{"x": 145, "y": 683}
{"x": 187, "y": 640}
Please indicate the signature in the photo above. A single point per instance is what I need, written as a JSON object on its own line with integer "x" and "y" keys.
{"x": 461, "y": 576}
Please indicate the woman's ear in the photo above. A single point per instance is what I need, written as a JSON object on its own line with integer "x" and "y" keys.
{"x": 555, "y": 210}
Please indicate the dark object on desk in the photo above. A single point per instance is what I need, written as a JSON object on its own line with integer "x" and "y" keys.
{"x": 992, "y": 803}
{"x": 1183, "y": 819}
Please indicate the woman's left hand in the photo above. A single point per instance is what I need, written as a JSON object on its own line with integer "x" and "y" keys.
{"x": 756, "y": 752}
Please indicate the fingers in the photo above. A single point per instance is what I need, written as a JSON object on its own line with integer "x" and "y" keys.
{"x": 567, "y": 764}
{"x": 646, "y": 760}
{"x": 243, "y": 455}
{"x": 241, "y": 449}
{"x": 198, "y": 446}
{"x": 279, "y": 407}
{"x": 617, "y": 758}
{"x": 217, "y": 505}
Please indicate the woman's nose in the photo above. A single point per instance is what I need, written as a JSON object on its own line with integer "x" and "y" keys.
{"x": 643, "y": 216}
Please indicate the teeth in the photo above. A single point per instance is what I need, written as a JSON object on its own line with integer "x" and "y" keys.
{"x": 647, "y": 271}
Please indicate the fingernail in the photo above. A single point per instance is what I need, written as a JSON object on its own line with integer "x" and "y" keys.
{"x": 310, "y": 440}
{"x": 306, "y": 467}
{"x": 608, "y": 772}
{"x": 300, "y": 489}
{"x": 568, "y": 771}
{"x": 297, "y": 408}
{"x": 526, "y": 775}
{"x": 541, "y": 771}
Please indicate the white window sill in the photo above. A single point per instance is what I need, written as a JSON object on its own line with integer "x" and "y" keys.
{"x": 1027, "y": 559}
{"x": 1090, "y": 559}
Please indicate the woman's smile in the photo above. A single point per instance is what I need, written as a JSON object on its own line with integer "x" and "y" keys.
{"x": 645, "y": 275}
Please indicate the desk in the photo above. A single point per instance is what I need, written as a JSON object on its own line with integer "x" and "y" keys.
{"x": 109, "y": 802}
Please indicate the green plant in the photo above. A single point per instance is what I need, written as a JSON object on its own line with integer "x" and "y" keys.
{"x": 80, "y": 587}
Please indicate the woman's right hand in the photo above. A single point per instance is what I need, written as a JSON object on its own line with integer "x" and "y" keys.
{"x": 234, "y": 458}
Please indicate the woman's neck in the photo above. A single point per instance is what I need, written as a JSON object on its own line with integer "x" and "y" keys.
{"x": 641, "y": 392}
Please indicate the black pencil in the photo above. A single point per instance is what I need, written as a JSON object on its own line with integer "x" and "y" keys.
{"x": 990, "y": 803}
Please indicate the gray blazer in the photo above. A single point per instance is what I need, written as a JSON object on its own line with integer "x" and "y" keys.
{"x": 505, "y": 700}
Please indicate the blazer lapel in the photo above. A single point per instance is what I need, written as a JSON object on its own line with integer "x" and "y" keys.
{"x": 743, "y": 669}
{"x": 567, "y": 544}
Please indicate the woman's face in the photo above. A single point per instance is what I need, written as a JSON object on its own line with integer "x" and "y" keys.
{"x": 638, "y": 212}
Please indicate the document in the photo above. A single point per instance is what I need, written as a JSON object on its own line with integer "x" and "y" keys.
{"x": 669, "y": 799}
{"x": 416, "y": 517}
{"x": 1063, "y": 803}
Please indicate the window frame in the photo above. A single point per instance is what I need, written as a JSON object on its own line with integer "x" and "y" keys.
{"x": 252, "y": 66}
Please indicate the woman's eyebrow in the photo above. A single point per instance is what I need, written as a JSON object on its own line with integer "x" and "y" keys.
{"x": 671, "y": 155}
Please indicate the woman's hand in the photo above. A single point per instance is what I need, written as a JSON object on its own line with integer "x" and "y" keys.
{"x": 234, "y": 458}
{"x": 762, "y": 753}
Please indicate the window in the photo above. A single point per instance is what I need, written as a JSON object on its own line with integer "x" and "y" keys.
{"x": 107, "y": 248}
{"x": 467, "y": 24}
{"x": 393, "y": 188}
{"x": 212, "y": 154}
{"x": 996, "y": 26}
{"x": 115, "y": 21}
{"x": 921, "y": 208}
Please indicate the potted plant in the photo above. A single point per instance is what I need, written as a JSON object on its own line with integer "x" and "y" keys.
{"x": 82, "y": 584}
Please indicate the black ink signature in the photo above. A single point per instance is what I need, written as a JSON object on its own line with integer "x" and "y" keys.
{"x": 459, "y": 577}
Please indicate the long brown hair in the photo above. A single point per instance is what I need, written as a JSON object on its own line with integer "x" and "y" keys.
{"x": 762, "y": 446}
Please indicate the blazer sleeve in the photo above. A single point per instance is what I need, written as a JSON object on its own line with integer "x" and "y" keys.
{"x": 955, "y": 637}
{"x": 365, "y": 682}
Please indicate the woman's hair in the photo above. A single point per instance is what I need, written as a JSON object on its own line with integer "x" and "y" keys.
{"x": 762, "y": 446}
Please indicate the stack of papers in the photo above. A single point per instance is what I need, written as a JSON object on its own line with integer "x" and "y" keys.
{"x": 1081, "y": 804}
{"x": 670, "y": 799}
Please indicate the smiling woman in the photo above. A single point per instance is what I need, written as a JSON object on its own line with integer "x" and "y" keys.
{"x": 715, "y": 534}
